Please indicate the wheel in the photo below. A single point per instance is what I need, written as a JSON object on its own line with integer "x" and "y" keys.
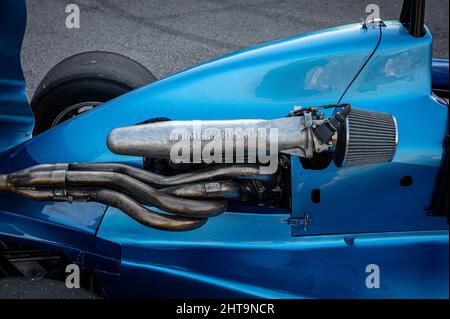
{"x": 81, "y": 82}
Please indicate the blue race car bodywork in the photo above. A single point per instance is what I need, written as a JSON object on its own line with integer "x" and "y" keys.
{"x": 365, "y": 216}
{"x": 16, "y": 117}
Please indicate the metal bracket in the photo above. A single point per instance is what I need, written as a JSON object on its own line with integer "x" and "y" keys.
{"x": 305, "y": 221}
{"x": 61, "y": 195}
{"x": 80, "y": 258}
{"x": 374, "y": 23}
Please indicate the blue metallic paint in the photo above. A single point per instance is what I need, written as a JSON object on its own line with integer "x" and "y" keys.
{"x": 252, "y": 255}
{"x": 16, "y": 118}
{"x": 364, "y": 217}
{"x": 399, "y": 71}
{"x": 307, "y": 268}
{"x": 439, "y": 72}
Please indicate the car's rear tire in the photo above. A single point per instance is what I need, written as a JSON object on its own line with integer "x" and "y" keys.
{"x": 81, "y": 82}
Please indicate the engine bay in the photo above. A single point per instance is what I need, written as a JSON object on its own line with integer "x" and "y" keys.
{"x": 194, "y": 170}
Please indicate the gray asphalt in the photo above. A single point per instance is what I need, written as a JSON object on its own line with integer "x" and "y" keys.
{"x": 167, "y": 36}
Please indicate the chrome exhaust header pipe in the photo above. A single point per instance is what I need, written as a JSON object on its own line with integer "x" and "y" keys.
{"x": 189, "y": 199}
{"x": 121, "y": 201}
{"x": 121, "y": 183}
